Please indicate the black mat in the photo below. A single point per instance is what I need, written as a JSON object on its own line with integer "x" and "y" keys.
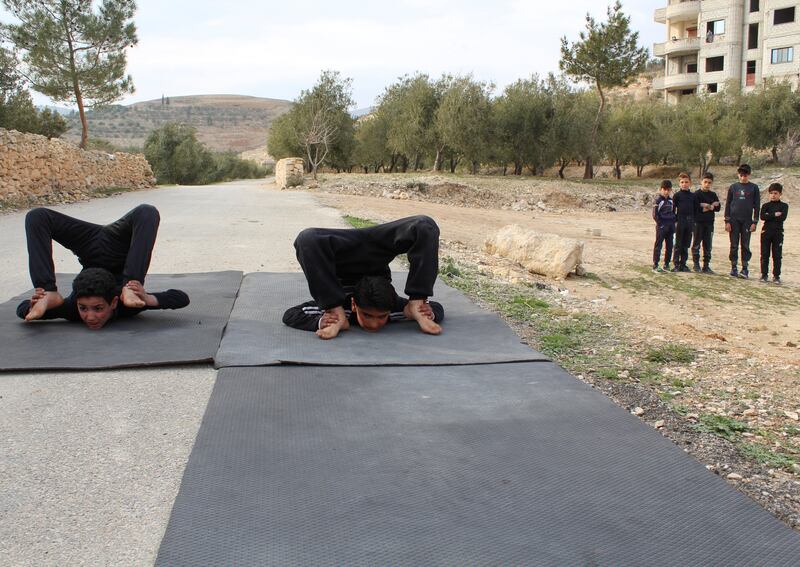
{"x": 151, "y": 338}
{"x": 256, "y": 336}
{"x": 508, "y": 464}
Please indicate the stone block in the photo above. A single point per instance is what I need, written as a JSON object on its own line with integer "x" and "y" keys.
{"x": 540, "y": 253}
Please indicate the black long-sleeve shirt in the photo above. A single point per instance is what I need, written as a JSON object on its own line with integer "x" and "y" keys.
{"x": 742, "y": 203}
{"x": 707, "y": 198}
{"x": 683, "y": 201}
{"x": 306, "y": 316}
{"x": 170, "y": 299}
{"x": 771, "y": 222}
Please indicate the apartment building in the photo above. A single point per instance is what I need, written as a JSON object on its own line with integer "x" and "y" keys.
{"x": 711, "y": 42}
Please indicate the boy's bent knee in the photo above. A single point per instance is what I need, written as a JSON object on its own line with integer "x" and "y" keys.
{"x": 37, "y": 216}
{"x": 426, "y": 224}
{"x": 146, "y": 212}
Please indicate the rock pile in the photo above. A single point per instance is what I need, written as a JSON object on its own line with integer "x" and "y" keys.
{"x": 34, "y": 168}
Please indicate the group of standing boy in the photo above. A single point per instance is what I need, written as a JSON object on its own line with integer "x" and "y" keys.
{"x": 688, "y": 219}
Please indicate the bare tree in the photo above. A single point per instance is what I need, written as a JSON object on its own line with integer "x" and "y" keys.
{"x": 319, "y": 135}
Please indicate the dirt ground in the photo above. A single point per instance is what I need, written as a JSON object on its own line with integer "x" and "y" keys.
{"x": 746, "y": 333}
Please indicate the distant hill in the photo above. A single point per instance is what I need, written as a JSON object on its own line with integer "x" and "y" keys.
{"x": 223, "y": 122}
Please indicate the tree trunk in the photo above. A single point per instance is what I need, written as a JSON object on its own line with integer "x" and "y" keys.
{"x": 617, "y": 170}
{"x": 562, "y": 165}
{"x": 505, "y": 169}
{"x": 588, "y": 172}
{"x": 774, "y": 154}
{"x": 404, "y": 162}
{"x": 474, "y": 167}
{"x": 417, "y": 159}
{"x": 437, "y": 162}
{"x": 639, "y": 170}
{"x": 453, "y": 164}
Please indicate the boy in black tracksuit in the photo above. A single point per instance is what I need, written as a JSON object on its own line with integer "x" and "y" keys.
{"x": 684, "y": 210}
{"x": 706, "y": 204}
{"x": 123, "y": 248}
{"x": 664, "y": 215}
{"x": 335, "y": 260}
{"x": 773, "y": 213}
{"x": 741, "y": 218}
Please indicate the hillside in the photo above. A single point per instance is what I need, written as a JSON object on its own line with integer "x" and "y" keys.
{"x": 223, "y": 122}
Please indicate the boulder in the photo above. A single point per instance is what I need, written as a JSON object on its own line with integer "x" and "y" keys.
{"x": 540, "y": 253}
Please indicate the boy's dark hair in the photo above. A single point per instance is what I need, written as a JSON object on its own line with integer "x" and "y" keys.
{"x": 666, "y": 184}
{"x": 775, "y": 187}
{"x": 374, "y": 292}
{"x": 744, "y": 168}
{"x": 95, "y": 282}
{"x": 684, "y": 175}
{"x": 708, "y": 175}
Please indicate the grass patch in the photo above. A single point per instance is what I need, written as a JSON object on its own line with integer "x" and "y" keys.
{"x": 671, "y": 353}
{"x": 448, "y": 268}
{"x": 721, "y": 425}
{"x": 357, "y": 222}
{"x": 764, "y": 456}
{"x": 108, "y": 191}
{"x": 608, "y": 373}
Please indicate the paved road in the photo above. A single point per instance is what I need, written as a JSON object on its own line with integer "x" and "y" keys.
{"x": 90, "y": 462}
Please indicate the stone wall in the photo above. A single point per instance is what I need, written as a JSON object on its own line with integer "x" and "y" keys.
{"x": 289, "y": 172}
{"x": 35, "y": 169}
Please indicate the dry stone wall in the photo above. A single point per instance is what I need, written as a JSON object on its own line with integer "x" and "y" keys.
{"x": 289, "y": 172}
{"x": 34, "y": 169}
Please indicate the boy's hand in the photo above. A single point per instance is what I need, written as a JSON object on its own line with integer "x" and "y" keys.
{"x": 778, "y": 213}
{"x": 727, "y": 227}
{"x": 753, "y": 227}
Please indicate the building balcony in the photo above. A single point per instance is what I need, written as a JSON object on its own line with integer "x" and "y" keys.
{"x": 682, "y": 10}
{"x": 684, "y": 46}
{"x": 677, "y": 82}
{"x": 660, "y": 16}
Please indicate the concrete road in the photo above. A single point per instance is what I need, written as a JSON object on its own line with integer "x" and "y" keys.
{"x": 90, "y": 462}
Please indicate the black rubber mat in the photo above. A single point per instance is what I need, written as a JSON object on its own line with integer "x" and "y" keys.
{"x": 256, "y": 336}
{"x": 191, "y": 334}
{"x": 507, "y": 464}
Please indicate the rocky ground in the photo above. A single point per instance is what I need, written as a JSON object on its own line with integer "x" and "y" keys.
{"x": 710, "y": 361}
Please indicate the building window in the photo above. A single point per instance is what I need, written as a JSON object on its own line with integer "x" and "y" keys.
{"x": 715, "y": 64}
{"x": 716, "y": 27}
{"x": 687, "y": 92}
{"x": 711, "y": 87}
{"x": 783, "y": 55}
{"x": 691, "y": 67}
{"x": 784, "y": 16}
{"x": 752, "y": 36}
{"x": 750, "y": 76}
{"x": 754, "y": 5}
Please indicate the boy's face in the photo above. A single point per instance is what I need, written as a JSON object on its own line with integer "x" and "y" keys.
{"x": 744, "y": 177}
{"x": 706, "y": 184}
{"x": 95, "y": 311}
{"x": 370, "y": 319}
{"x": 774, "y": 195}
{"x": 665, "y": 191}
{"x": 685, "y": 182}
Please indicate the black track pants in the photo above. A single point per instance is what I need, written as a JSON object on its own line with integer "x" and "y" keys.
{"x": 703, "y": 236}
{"x": 332, "y": 258}
{"x": 683, "y": 239}
{"x": 123, "y": 247}
{"x": 664, "y": 235}
{"x": 740, "y": 237}
{"x": 771, "y": 242}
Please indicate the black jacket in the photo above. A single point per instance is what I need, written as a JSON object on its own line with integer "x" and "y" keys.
{"x": 684, "y": 205}
{"x": 306, "y": 316}
{"x": 706, "y": 197}
{"x": 771, "y": 222}
{"x": 170, "y": 299}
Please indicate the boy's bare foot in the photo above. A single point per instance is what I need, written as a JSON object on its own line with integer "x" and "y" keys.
{"x": 133, "y": 295}
{"x": 332, "y": 323}
{"x": 41, "y": 301}
{"x": 421, "y": 312}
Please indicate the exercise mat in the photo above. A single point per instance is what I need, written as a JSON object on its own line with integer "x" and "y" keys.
{"x": 507, "y": 464}
{"x": 256, "y": 335}
{"x": 153, "y": 337}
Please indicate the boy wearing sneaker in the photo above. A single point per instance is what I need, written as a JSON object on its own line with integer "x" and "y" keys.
{"x": 707, "y": 204}
{"x": 664, "y": 215}
{"x": 741, "y": 218}
{"x": 773, "y": 213}
{"x": 684, "y": 211}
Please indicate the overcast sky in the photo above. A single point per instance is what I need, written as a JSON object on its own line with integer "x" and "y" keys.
{"x": 275, "y": 49}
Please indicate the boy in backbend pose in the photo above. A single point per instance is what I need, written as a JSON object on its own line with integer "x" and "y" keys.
{"x": 115, "y": 258}
{"x": 349, "y": 277}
